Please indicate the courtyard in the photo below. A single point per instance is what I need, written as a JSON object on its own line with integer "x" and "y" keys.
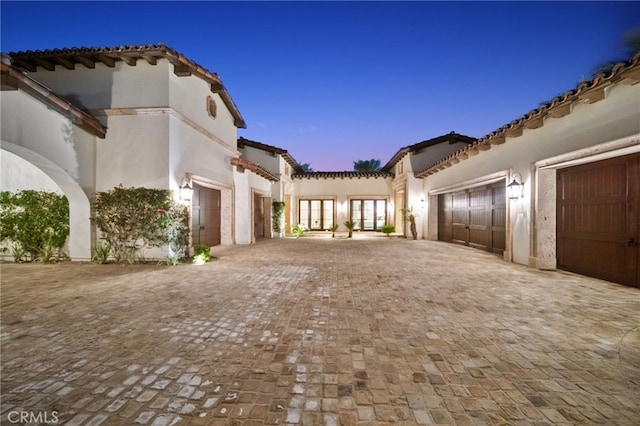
{"x": 318, "y": 331}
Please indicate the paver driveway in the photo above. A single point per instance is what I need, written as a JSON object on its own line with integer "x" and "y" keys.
{"x": 319, "y": 331}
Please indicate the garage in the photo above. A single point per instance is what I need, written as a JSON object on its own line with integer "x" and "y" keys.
{"x": 205, "y": 216}
{"x": 474, "y": 217}
{"x": 598, "y": 216}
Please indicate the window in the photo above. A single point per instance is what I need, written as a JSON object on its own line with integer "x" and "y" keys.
{"x": 316, "y": 215}
{"x": 212, "y": 108}
{"x": 399, "y": 168}
{"x": 369, "y": 215}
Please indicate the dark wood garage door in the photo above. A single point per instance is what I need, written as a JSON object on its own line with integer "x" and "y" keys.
{"x": 598, "y": 219}
{"x": 475, "y": 217}
{"x": 205, "y": 216}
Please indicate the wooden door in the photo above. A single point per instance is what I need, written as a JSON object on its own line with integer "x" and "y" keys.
{"x": 475, "y": 217}
{"x": 258, "y": 217}
{"x": 205, "y": 216}
{"x": 598, "y": 219}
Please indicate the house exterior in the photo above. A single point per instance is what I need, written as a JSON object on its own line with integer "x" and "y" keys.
{"x": 148, "y": 116}
{"x": 578, "y": 160}
{"x": 159, "y": 120}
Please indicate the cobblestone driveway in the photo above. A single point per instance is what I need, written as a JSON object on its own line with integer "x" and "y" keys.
{"x": 318, "y": 331}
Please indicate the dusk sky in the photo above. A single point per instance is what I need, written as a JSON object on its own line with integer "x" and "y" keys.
{"x": 336, "y": 82}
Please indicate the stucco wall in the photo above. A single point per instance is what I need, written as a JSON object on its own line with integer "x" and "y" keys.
{"x": 122, "y": 86}
{"x": 433, "y": 154}
{"x": 588, "y": 125}
{"x": 188, "y": 97}
{"x": 264, "y": 158}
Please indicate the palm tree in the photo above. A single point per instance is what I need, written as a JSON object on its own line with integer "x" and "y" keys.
{"x": 367, "y": 166}
{"x": 631, "y": 42}
{"x": 306, "y": 167}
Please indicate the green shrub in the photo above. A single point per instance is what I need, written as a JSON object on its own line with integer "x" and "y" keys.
{"x": 298, "y": 230}
{"x": 101, "y": 252}
{"x": 201, "y": 254}
{"x": 37, "y": 221}
{"x": 388, "y": 229}
{"x": 132, "y": 218}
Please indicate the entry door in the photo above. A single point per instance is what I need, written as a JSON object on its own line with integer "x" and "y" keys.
{"x": 598, "y": 216}
{"x": 205, "y": 216}
{"x": 399, "y": 206}
{"x": 369, "y": 215}
{"x": 261, "y": 216}
{"x": 475, "y": 217}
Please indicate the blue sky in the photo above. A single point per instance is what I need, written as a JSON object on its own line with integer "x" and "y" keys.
{"x": 334, "y": 82}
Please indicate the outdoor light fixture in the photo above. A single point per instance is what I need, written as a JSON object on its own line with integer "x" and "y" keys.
{"x": 423, "y": 204}
{"x": 186, "y": 191}
{"x": 515, "y": 187}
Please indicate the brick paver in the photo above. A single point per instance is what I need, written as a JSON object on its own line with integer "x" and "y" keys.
{"x": 319, "y": 331}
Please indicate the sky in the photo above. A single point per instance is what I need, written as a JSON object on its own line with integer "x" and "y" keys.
{"x": 334, "y": 82}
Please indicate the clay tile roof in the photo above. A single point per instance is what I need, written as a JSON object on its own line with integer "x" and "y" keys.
{"x": 88, "y": 56}
{"x": 272, "y": 149}
{"x": 13, "y": 78}
{"x": 342, "y": 175}
{"x": 451, "y": 138}
{"x": 256, "y": 168}
{"x": 588, "y": 92}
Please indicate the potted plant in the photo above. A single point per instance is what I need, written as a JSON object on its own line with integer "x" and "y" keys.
{"x": 350, "y": 225}
{"x": 333, "y": 230}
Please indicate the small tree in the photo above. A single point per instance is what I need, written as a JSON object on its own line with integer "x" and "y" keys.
{"x": 350, "y": 225}
{"x": 410, "y": 217}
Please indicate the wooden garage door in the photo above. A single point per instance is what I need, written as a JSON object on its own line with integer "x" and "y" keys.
{"x": 474, "y": 217}
{"x": 205, "y": 216}
{"x": 598, "y": 219}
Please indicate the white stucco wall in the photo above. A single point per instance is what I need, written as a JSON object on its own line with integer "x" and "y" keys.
{"x": 431, "y": 155}
{"x": 265, "y": 159}
{"x": 54, "y": 155}
{"x": 18, "y": 174}
{"x": 188, "y": 97}
{"x": 247, "y": 184}
{"x": 616, "y": 116}
{"x": 122, "y": 86}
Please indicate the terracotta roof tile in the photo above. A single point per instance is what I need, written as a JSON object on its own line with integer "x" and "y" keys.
{"x": 452, "y": 137}
{"x": 588, "y": 91}
{"x": 88, "y": 56}
{"x": 270, "y": 148}
{"x": 342, "y": 175}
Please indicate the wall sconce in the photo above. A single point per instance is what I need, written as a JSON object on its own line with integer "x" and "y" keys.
{"x": 423, "y": 204}
{"x": 186, "y": 190}
{"x": 516, "y": 187}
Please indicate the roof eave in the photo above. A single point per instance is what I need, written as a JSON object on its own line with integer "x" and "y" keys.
{"x": 13, "y": 77}
{"x": 560, "y": 106}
